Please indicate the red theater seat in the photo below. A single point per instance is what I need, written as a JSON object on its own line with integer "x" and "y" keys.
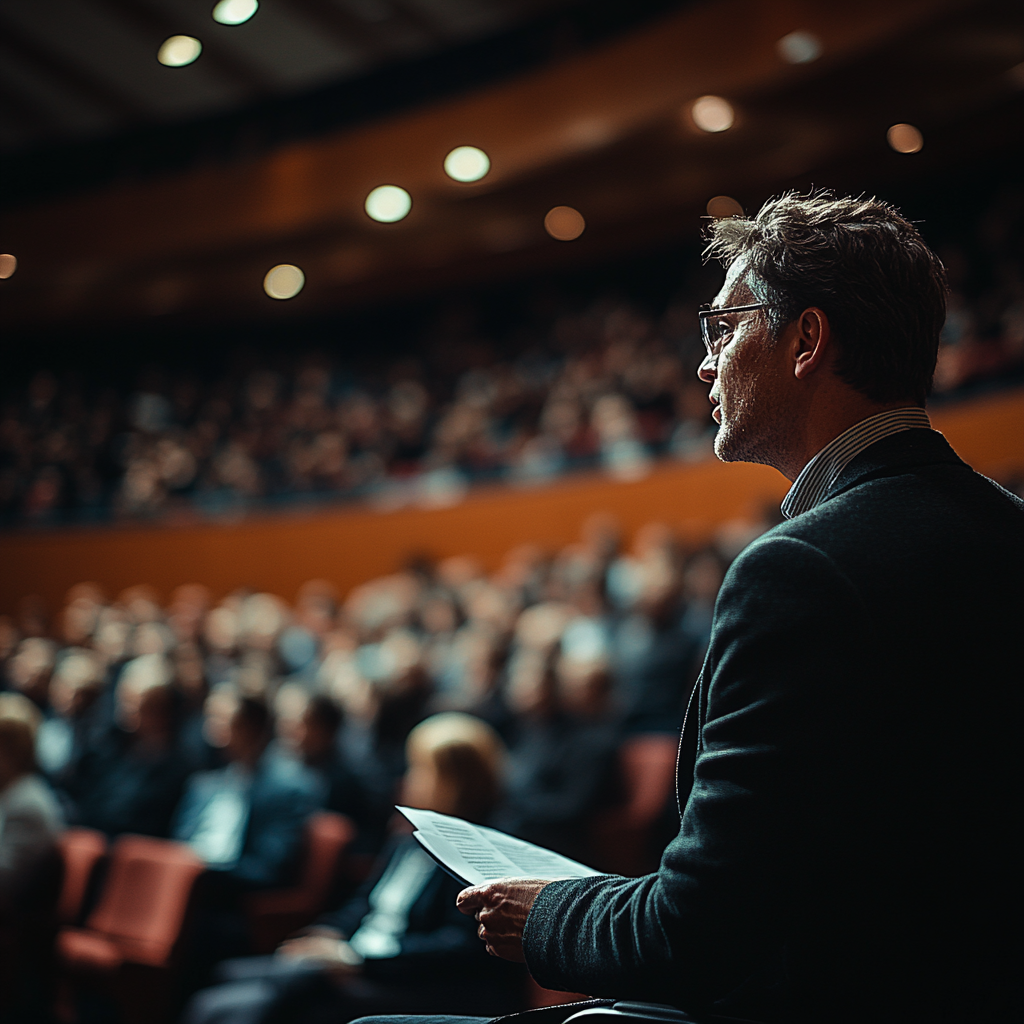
{"x": 274, "y": 915}
{"x": 647, "y": 773}
{"x": 81, "y": 850}
{"x": 127, "y": 945}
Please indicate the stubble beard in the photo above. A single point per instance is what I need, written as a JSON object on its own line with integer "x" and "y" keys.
{"x": 752, "y": 428}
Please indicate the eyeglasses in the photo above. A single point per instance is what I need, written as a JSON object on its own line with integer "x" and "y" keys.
{"x": 717, "y": 326}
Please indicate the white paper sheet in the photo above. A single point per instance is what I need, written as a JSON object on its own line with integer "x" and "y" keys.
{"x": 476, "y": 854}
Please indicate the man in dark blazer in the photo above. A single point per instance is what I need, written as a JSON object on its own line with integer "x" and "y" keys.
{"x": 847, "y": 766}
{"x": 247, "y": 819}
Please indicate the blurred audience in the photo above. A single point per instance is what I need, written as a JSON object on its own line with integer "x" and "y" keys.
{"x": 399, "y": 945}
{"x": 602, "y": 384}
{"x": 226, "y": 722}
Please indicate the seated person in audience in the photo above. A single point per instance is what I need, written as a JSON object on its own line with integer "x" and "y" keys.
{"x": 398, "y": 945}
{"x": 191, "y": 688}
{"x": 246, "y": 820}
{"x": 134, "y": 780}
{"x": 30, "y": 867}
{"x": 562, "y": 763}
{"x": 28, "y": 669}
{"x": 30, "y": 817}
{"x": 313, "y": 739}
{"x": 656, "y": 657}
{"x": 72, "y": 726}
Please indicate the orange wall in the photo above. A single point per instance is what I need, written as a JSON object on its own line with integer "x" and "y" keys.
{"x": 277, "y": 553}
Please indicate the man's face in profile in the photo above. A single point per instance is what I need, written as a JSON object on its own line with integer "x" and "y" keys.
{"x": 747, "y": 380}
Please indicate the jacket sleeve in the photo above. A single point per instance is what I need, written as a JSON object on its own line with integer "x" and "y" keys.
{"x": 782, "y": 650}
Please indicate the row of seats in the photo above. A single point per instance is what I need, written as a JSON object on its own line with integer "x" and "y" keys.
{"x": 128, "y": 944}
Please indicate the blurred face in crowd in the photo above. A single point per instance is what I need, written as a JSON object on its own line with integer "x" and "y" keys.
{"x": 314, "y": 737}
{"x": 748, "y": 382}
{"x": 530, "y": 684}
{"x": 76, "y": 684}
{"x": 217, "y": 713}
{"x": 79, "y": 620}
{"x": 144, "y": 698}
{"x": 190, "y": 673}
{"x": 111, "y": 640}
{"x": 582, "y": 686}
{"x": 245, "y": 741}
{"x": 29, "y": 669}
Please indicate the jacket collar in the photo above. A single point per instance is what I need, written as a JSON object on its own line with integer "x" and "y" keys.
{"x": 915, "y": 447}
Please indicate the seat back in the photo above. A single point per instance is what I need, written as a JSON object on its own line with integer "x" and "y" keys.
{"x": 81, "y": 850}
{"x": 327, "y": 835}
{"x": 648, "y": 765}
{"x": 145, "y": 896}
{"x": 277, "y": 913}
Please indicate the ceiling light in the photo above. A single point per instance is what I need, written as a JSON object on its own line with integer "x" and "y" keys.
{"x": 724, "y": 206}
{"x": 234, "y": 12}
{"x": 905, "y": 138}
{"x": 284, "y": 281}
{"x": 564, "y": 223}
{"x": 177, "y": 51}
{"x": 8, "y": 265}
{"x": 712, "y": 114}
{"x": 388, "y": 203}
{"x": 466, "y": 163}
{"x": 799, "y": 48}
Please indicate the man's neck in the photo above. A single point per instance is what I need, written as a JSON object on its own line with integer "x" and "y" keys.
{"x": 824, "y": 425}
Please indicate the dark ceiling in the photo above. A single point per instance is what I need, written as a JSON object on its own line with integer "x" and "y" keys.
{"x": 605, "y": 130}
{"x": 83, "y": 99}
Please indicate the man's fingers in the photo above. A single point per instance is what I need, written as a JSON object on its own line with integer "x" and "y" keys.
{"x": 470, "y": 900}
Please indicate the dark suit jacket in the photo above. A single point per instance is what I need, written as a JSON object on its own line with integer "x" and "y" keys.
{"x": 121, "y": 787}
{"x": 282, "y": 796}
{"x": 844, "y": 851}
{"x": 439, "y": 944}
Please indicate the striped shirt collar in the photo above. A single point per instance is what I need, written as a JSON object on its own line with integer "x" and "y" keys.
{"x": 815, "y": 479}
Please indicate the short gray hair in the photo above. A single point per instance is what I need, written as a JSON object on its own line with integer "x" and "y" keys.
{"x": 865, "y": 265}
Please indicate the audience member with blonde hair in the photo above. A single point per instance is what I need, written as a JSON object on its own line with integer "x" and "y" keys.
{"x": 399, "y": 943}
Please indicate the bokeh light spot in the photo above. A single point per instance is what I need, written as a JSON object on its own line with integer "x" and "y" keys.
{"x": 564, "y": 223}
{"x": 712, "y": 114}
{"x": 905, "y": 138}
{"x": 388, "y": 203}
{"x": 724, "y": 206}
{"x": 799, "y": 47}
{"x": 234, "y": 12}
{"x": 284, "y": 281}
{"x": 177, "y": 51}
{"x": 466, "y": 163}
{"x": 8, "y": 265}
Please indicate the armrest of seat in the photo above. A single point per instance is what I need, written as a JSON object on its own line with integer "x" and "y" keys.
{"x": 627, "y": 1012}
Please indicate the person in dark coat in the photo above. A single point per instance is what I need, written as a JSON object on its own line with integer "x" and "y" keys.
{"x": 132, "y": 779}
{"x": 562, "y": 766}
{"x": 400, "y": 943}
{"x": 247, "y": 819}
{"x": 849, "y": 752}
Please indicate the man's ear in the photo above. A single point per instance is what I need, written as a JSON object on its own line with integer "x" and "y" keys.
{"x": 811, "y": 342}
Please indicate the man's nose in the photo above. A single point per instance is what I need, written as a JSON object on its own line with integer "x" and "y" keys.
{"x": 708, "y": 369}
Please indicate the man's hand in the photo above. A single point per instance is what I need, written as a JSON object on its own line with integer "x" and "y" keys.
{"x": 334, "y": 954}
{"x": 501, "y": 908}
